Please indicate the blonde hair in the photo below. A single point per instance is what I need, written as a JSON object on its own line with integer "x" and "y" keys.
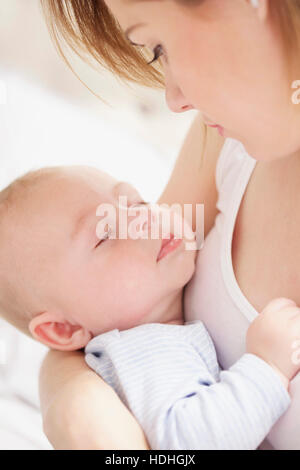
{"x": 287, "y": 16}
{"x": 16, "y": 305}
{"x": 90, "y": 30}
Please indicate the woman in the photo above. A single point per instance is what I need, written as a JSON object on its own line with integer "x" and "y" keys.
{"x": 236, "y": 61}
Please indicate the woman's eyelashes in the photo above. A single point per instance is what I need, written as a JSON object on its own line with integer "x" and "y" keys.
{"x": 157, "y": 51}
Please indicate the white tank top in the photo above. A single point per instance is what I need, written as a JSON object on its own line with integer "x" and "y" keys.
{"x": 213, "y": 295}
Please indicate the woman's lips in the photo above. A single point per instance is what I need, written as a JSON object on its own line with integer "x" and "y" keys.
{"x": 168, "y": 245}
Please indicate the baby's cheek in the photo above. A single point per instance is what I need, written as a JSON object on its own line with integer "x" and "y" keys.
{"x": 139, "y": 296}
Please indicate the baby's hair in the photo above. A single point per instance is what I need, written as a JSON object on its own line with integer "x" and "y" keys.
{"x": 15, "y": 305}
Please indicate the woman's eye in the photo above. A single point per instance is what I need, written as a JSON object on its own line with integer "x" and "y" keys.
{"x": 157, "y": 51}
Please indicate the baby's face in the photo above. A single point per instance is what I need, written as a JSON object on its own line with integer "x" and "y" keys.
{"x": 90, "y": 279}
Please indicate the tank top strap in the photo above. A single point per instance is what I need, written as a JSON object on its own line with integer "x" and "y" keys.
{"x": 229, "y": 166}
{"x": 234, "y": 169}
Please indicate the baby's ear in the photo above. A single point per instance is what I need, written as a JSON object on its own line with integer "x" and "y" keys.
{"x": 57, "y": 333}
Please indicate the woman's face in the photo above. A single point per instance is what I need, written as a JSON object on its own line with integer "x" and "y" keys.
{"x": 224, "y": 58}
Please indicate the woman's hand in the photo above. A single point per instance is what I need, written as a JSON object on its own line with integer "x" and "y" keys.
{"x": 80, "y": 411}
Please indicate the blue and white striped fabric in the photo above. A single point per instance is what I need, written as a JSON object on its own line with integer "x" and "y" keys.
{"x": 169, "y": 377}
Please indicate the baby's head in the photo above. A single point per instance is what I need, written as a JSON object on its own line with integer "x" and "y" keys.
{"x": 62, "y": 279}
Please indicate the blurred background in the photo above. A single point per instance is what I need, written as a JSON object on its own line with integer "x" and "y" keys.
{"x": 48, "y": 117}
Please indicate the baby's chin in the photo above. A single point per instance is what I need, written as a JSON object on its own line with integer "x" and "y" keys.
{"x": 191, "y": 272}
{"x": 184, "y": 268}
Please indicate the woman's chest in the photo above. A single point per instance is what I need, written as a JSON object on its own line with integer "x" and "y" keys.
{"x": 266, "y": 236}
{"x": 229, "y": 286}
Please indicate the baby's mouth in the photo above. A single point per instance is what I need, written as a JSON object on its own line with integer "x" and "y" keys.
{"x": 168, "y": 245}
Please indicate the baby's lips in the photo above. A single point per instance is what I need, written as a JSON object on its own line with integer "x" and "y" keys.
{"x": 279, "y": 303}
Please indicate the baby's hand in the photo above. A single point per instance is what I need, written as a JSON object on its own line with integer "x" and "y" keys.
{"x": 274, "y": 335}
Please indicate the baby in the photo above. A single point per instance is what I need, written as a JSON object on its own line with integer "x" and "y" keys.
{"x": 70, "y": 280}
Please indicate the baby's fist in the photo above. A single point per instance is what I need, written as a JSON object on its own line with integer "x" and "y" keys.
{"x": 274, "y": 335}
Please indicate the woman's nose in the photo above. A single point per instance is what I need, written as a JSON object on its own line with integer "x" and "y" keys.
{"x": 175, "y": 99}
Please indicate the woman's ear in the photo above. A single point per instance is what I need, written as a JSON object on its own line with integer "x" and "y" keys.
{"x": 262, "y": 7}
{"x": 57, "y": 333}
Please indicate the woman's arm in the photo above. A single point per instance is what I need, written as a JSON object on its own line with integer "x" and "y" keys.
{"x": 80, "y": 411}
